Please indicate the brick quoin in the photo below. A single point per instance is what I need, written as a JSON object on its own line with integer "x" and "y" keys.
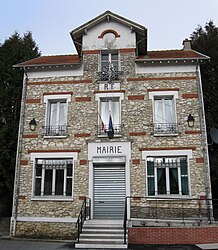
{"x": 136, "y": 97}
{"x": 83, "y": 162}
{"x": 136, "y": 161}
{"x": 30, "y": 136}
{"x": 137, "y": 133}
{"x": 83, "y": 99}
{"x": 21, "y": 197}
{"x": 201, "y": 235}
{"x": 82, "y": 135}
{"x": 33, "y": 100}
{"x": 200, "y": 160}
{"x": 188, "y": 96}
{"x": 23, "y": 162}
{"x": 192, "y": 132}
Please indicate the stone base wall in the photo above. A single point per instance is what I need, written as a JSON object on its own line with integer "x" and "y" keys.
{"x": 46, "y": 230}
{"x": 185, "y": 235}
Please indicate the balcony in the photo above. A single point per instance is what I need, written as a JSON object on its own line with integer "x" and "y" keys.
{"x": 103, "y": 132}
{"x": 109, "y": 75}
{"x": 55, "y": 130}
{"x": 166, "y": 129}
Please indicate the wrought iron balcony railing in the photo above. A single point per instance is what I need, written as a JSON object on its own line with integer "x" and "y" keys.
{"x": 107, "y": 75}
{"x": 103, "y": 131}
{"x": 166, "y": 129}
{"x": 55, "y": 130}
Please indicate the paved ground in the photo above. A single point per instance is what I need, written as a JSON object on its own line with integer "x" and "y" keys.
{"x": 7, "y": 243}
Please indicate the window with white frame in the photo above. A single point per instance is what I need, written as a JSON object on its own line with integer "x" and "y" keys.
{"x": 109, "y": 66}
{"x": 167, "y": 175}
{"x": 109, "y": 115}
{"x": 56, "y": 115}
{"x": 164, "y": 112}
{"x": 53, "y": 177}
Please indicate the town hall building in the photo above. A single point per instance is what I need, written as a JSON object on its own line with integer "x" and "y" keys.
{"x": 115, "y": 128}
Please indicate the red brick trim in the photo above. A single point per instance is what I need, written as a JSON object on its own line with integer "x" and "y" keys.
{"x": 136, "y": 161}
{"x": 136, "y": 97}
{"x": 58, "y": 93}
{"x": 36, "y": 101}
{"x": 109, "y": 31}
{"x": 91, "y": 52}
{"x": 82, "y": 198}
{"x": 189, "y": 96}
{"x": 161, "y": 78}
{"x": 61, "y": 82}
{"x": 83, "y": 162}
{"x": 193, "y": 132}
{"x": 30, "y": 136}
{"x": 137, "y": 133}
{"x": 166, "y": 235}
{"x": 163, "y": 89}
{"x": 168, "y": 148}
{"x": 23, "y": 162}
{"x": 127, "y": 50}
{"x": 53, "y": 151}
{"x": 83, "y": 99}
{"x": 82, "y": 135}
{"x": 21, "y": 197}
{"x": 200, "y": 160}
{"x": 109, "y": 91}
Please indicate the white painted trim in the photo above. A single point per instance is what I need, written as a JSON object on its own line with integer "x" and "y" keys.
{"x": 163, "y": 93}
{"x": 157, "y": 152}
{"x": 109, "y": 95}
{"x": 34, "y": 156}
{"x": 171, "y": 153}
{"x": 67, "y": 97}
{"x": 47, "y": 219}
{"x": 92, "y": 155}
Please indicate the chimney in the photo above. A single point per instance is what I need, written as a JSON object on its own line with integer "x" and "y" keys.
{"x": 187, "y": 44}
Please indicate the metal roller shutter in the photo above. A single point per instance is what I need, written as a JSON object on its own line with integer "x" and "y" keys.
{"x": 109, "y": 191}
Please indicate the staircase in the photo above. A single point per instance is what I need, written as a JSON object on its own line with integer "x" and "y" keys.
{"x": 102, "y": 234}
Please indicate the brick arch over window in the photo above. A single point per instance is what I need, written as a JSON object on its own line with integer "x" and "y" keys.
{"x": 109, "y": 31}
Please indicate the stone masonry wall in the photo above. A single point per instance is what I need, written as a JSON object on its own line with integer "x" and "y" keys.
{"x": 137, "y": 122}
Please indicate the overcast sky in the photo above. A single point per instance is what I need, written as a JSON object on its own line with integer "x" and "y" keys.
{"x": 168, "y": 22}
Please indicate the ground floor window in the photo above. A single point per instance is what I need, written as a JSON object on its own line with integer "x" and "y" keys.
{"x": 167, "y": 176}
{"x": 53, "y": 177}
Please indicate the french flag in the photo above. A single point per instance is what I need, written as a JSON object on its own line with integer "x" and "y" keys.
{"x": 110, "y": 126}
{"x": 102, "y": 123}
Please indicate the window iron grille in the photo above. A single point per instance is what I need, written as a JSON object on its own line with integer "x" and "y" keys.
{"x": 55, "y": 130}
{"x": 166, "y": 128}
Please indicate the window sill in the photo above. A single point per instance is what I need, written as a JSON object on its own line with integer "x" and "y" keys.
{"x": 55, "y": 136}
{"x": 105, "y": 136}
{"x": 49, "y": 198}
{"x": 156, "y": 135}
{"x": 169, "y": 197}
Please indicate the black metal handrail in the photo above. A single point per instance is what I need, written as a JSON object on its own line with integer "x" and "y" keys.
{"x": 152, "y": 208}
{"x": 57, "y": 130}
{"x": 166, "y": 128}
{"x": 85, "y": 212}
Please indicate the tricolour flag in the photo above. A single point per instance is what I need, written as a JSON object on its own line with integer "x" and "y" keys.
{"x": 102, "y": 123}
{"x": 110, "y": 126}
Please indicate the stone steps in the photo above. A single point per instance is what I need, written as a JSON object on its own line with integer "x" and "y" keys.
{"x": 107, "y": 234}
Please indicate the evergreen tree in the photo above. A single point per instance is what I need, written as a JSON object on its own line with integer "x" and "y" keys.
{"x": 205, "y": 40}
{"x": 14, "y": 50}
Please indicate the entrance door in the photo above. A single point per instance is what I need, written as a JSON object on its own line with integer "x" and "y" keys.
{"x": 109, "y": 191}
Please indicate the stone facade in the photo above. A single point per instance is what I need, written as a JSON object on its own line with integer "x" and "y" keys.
{"x": 82, "y": 121}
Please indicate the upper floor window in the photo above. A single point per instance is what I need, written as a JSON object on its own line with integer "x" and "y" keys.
{"x": 56, "y": 115}
{"x": 109, "y": 69}
{"x": 164, "y": 113}
{"x": 109, "y": 113}
{"x": 167, "y": 176}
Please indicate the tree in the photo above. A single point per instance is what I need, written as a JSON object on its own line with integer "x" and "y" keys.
{"x": 14, "y": 50}
{"x": 205, "y": 40}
